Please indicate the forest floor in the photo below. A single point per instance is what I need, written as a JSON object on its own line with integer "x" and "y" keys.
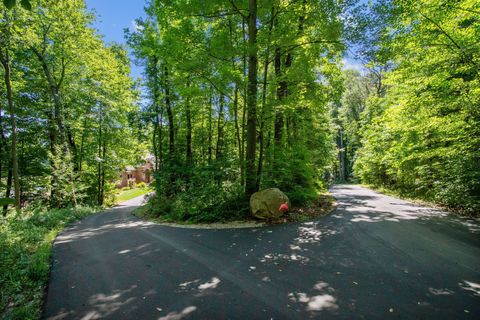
{"x": 375, "y": 256}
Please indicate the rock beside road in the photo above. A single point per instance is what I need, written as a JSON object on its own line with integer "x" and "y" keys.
{"x": 267, "y": 204}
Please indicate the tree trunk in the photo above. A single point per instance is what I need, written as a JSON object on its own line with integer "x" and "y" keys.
{"x": 239, "y": 140}
{"x": 250, "y": 174}
{"x": 264, "y": 102}
{"x": 156, "y": 125}
{"x": 210, "y": 127}
{"x": 104, "y": 157}
{"x": 237, "y": 131}
{"x": 3, "y": 145}
{"x": 244, "y": 109}
{"x": 100, "y": 160}
{"x": 341, "y": 156}
{"x": 160, "y": 141}
{"x": 73, "y": 149}
{"x": 9, "y": 188}
{"x": 279, "y": 124}
{"x": 220, "y": 125}
{"x": 82, "y": 142}
{"x": 5, "y": 60}
{"x": 171, "y": 125}
{"x": 188, "y": 113}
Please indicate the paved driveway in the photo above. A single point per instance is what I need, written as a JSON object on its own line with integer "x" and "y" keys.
{"x": 375, "y": 257}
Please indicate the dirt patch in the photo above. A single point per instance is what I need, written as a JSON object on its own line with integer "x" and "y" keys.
{"x": 322, "y": 206}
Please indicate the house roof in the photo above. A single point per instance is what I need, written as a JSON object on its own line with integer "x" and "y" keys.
{"x": 130, "y": 168}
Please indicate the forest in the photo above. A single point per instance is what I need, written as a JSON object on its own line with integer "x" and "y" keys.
{"x": 241, "y": 96}
{"x": 237, "y": 96}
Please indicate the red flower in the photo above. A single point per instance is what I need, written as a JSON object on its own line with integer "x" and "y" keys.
{"x": 283, "y": 207}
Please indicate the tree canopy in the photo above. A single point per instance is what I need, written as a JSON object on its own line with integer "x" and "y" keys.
{"x": 239, "y": 96}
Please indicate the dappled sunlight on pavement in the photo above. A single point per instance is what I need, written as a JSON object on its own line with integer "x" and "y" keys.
{"x": 373, "y": 257}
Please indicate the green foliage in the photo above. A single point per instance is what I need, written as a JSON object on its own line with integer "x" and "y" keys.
{"x": 6, "y": 201}
{"x": 69, "y": 190}
{"x": 74, "y": 102}
{"x": 141, "y": 185}
{"x": 209, "y": 197}
{"x": 196, "y": 64}
{"x": 422, "y": 139}
{"x": 25, "y": 251}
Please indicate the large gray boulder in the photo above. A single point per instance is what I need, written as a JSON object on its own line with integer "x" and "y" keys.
{"x": 269, "y": 203}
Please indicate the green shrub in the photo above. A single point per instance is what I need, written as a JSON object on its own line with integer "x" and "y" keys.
{"x": 141, "y": 185}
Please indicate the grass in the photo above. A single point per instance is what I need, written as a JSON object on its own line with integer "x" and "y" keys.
{"x": 131, "y": 193}
{"x": 25, "y": 255}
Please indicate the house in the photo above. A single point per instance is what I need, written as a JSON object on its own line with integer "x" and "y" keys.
{"x": 133, "y": 175}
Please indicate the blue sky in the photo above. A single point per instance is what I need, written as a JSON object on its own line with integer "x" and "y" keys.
{"x": 115, "y": 15}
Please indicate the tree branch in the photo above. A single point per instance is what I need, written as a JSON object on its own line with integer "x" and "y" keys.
{"x": 237, "y": 9}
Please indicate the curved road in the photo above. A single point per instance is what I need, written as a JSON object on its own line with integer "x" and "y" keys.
{"x": 375, "y": 257}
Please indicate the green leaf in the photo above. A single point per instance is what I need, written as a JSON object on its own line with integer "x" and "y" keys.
{"x": 26, "y": 4}
{"x": 6, "y": 201}
{"x": 9, "y": 3}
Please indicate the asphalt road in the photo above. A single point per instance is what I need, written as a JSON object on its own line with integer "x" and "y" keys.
{"x": 375, "y": 257}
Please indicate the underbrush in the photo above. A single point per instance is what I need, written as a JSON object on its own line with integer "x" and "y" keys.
{"x": 198, "y": 206}
{"x": 25, "y": 251}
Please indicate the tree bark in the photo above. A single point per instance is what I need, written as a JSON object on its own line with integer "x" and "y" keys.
{"x": 188, "y": 114}
{"x": 250, "y": 172}
{"x": 341, "y": 156}
{"x": 220, "y": 125}
{"x": 3, "y": 145}
{"x": 5, "y": 60}
{"x": 210, "y": 127}
{"x": 264, "y": 100}
{"x": 82, "y": 143}
{"x": 156, "y": 97}
{"x": 73, "y": 148}
{"x": 279, "y": 124}
{"x": 100, "y": 159}
{"x": 9, "y": 188}
{"x": 171, "y": 124}
{"x": 237, "y": 128}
